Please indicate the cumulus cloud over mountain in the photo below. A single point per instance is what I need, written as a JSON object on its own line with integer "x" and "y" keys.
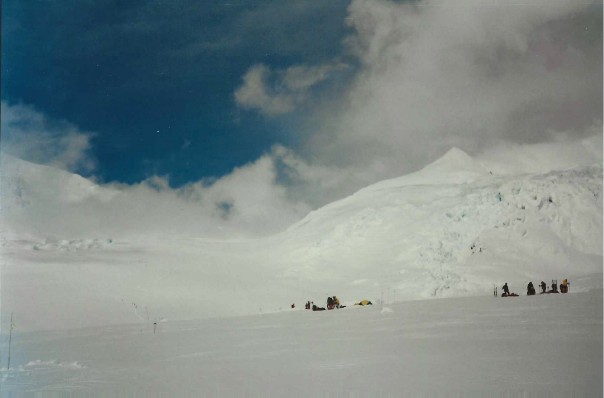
{"x": 50, "y": 202}
{"x": 492, "y": 79}
{"x": 434, "y": 74}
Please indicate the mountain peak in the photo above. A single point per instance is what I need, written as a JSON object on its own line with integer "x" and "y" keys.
{"x": 454, "y": 167}
{"x": 454, "y": 160}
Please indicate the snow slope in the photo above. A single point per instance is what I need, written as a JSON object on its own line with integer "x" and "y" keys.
{"x": 540, "y": 346}
{"x": 451, "y": 229}
{"x": 454, "y": 228}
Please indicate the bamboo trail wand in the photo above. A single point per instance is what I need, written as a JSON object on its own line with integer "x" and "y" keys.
{"x": 10, "y": 337}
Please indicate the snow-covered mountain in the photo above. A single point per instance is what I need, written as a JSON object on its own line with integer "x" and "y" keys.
{"x": 44, "y": 201}
{"x": 454, "y": 228}
{"x": 451, "y": 229}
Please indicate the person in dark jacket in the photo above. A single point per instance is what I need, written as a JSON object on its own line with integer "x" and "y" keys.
{"x": 330, "y": 303}
{"x": 554, "y": 288}
{"x": 543, "y": 287}
{"x": 530, "y": 289}
{"x": 506, "y": 290}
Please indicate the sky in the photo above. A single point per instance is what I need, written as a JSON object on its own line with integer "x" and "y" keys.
{"x": 152, "y": 83}
{"x": 302, "y": 102}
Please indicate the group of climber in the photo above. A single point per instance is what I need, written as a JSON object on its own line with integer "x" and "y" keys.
{"x": 530, "y": 289}
{"x": 332, "y": 303}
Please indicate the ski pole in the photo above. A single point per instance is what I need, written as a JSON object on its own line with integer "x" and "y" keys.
{"x": 10, "y": 337}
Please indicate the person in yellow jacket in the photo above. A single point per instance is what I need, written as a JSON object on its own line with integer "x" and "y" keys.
{"x": 564, "y": 286}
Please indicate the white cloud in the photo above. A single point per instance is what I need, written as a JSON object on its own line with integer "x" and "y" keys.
{"x": 561, "y": 154}
{"x": 437, "y": 74}
{"x": 248, "y": 202}
{"x": 30, "y": 135}
{"x": 471, "y": 74}
{"x": 255, "y": 93}
{"x": 278, "y": 92}
{"x": 302, "y": 77}
{"x": 249, "y": 198}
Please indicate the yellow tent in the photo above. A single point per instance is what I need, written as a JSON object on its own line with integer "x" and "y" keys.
{"x": 364, "y": 302}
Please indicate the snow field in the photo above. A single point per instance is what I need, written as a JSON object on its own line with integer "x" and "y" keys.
{"x": 545, "y": 345}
